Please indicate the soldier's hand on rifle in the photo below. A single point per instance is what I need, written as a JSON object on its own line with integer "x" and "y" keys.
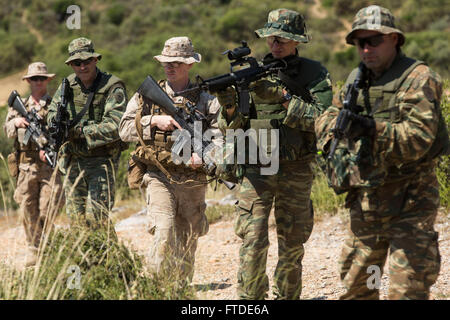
{"x": 42, "y": 156}
{"x": 195, "y": 161}
{"x": 165, "y": 123}
{"x": 360, "y": 126}
{"x": 76, "y": 132}
{"x": 21, "y": 122}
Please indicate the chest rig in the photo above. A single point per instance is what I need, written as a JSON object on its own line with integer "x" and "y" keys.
{"x": 29, "y": 152}
{"x": 156, "y": 153}
{"x": 294, "y": 143}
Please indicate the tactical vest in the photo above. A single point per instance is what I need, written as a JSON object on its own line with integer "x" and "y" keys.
{"x": 161, "y": 141}
{"x": 294, "y": 144}
{"x": 362, "y": 166}
{"x": 107, "y": 83}
{"x": 29, "y": 153}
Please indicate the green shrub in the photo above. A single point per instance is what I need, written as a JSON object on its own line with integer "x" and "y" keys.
{"x": 107, "y": 270}
{"x": 116, "y": 13}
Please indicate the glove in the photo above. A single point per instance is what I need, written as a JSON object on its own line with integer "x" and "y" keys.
{"x": 269, "y": 91}
{"x": 227, "y": 98}
{"x": 361, "y": 126}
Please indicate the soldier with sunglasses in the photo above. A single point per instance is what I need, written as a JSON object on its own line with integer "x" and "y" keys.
{"x": 90, "y": 158}
{"x": 287, "y": 102}
{"x": 38, "y": 191}
{"x": 387, "y": 164}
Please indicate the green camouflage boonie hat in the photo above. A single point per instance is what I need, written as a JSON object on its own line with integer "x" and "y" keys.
{"x": 83, "y": 49}
{"x": 374, "y": 18}
{"x": 285, "y": 23}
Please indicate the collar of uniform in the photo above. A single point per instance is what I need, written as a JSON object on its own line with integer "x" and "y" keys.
{"x": 38, "y": 105}
{"x": 399, "y": 56}
{"x": 178, "y": 99}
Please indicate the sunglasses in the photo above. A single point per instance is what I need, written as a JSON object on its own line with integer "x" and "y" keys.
{"x": 78, "y": 62}
{"x": 38, "y": 78}
{"x": 373, "y": 41}
{"x": 272, "y": 39}
{"x": 170, "y": 64}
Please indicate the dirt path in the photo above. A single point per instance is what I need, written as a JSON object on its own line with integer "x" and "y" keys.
{"x": 217, "y": 257}
{"x": 10, "y": 83}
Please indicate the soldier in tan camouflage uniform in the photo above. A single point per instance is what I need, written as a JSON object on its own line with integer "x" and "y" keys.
{"x": 90, "y": 158}
{"x": 292, "y": 112}
{"x": 38, "y": 192}
{"x": 176, "y": 197}
{"x": 387, "y": 164}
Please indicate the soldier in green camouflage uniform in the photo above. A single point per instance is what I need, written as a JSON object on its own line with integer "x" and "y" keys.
{"x": 387, "y": 164}
{"x": 293, "y": 113}
{"x": 89, "y": 159}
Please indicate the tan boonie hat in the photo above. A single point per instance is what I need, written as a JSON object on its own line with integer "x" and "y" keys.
{"x": 38, "y": 69}
{"x": 374, "y": 18}
{"x": 82, "y": 49}
{"x": 285, "y": 23}
{"x": 179, "y": 49}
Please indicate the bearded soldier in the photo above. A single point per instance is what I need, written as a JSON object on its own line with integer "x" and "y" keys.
{"x": 38, "y": 192}
{"x": 89, "y": 159}
{"x": 288, "y": 102}
{"x": 386, "y": 162}
{"x": 175, "y": 192}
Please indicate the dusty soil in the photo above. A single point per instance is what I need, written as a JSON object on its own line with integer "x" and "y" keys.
{"x": 217, "y": 259}
{"x": 217, "y": 256}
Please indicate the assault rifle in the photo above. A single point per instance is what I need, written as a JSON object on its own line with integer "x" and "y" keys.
{"x": 240, "y": 79}
{"x": 59, "y": 127}
{"x": 344, "y": 119}
{"x": 151, "y": 90}
{"x": 34, "y": 130}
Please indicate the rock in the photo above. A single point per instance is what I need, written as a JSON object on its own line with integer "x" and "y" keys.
{"x": 138, "y": 219}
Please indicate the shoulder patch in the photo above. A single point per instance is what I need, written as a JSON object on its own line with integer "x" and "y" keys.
{"x": 119, "y": 96}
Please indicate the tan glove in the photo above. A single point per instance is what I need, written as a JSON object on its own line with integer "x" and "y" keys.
{"x": 269, "y": 91}
{"x": 227, "y": 98}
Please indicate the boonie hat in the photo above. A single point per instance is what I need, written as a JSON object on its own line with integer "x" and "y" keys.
{"x": 179, "y": 49}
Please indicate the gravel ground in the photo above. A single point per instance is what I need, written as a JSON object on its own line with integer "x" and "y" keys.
{"x": 217, "y": 257}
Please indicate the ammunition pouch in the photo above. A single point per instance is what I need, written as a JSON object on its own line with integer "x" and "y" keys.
{"x": 13, "y": 164}
{"x": 136, "y": 171}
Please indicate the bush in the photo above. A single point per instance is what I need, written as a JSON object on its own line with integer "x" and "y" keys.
{"x": 104, "y": 267}
{"x": 116, "y": 13}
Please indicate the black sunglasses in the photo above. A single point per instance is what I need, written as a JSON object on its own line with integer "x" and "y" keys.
{"x": 38, "y": 78}
{"x": 78, "y": 62}
{"x": 373, "y": 41}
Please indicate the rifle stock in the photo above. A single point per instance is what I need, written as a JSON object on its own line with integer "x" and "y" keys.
{"x": 34, "y": 130}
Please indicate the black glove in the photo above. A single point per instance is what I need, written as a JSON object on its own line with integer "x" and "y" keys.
{"x": 361, "y": 126}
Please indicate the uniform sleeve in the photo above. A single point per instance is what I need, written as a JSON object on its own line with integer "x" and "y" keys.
{"x": 302, "y": 114}
{"x": 52, "y": 108}
{"x": 9, "y": 126}
{"x": 418, "y": 102}
{"x": 327, "y": 121}
{"x": 107, "y": 131}
{"x": 127, "y": 126}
